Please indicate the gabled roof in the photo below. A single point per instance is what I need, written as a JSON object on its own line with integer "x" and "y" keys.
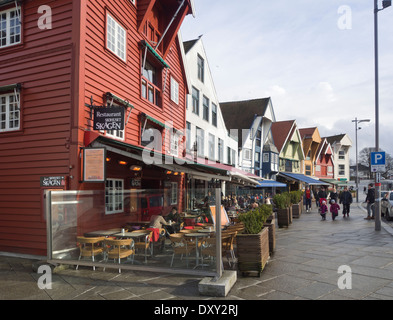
{"x": 306, "y": 133}
{"x": 281, "y": 130}
{"x": 241, "y": 114}
{"x": 336, "y": 138}
{"x": 323, "y": 149}
{"x": 189, "y": 44}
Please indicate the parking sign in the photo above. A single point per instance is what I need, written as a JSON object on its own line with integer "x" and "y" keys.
{"x": 378, "y": 162}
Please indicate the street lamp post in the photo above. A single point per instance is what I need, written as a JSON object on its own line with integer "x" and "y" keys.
{"x": 377, "y": 210}
{"x": 356, "y": 143}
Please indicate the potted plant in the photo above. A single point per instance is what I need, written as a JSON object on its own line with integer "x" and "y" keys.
{"x": 296, "y": 197}
{"x": 271, "y": 224}
{"x": 282, "y": 203}
{"x": 253, "y": 243}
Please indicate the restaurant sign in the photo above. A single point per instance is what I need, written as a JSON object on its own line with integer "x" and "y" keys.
{"x": 108, "y": 118}
{"x": 52, "y": 181}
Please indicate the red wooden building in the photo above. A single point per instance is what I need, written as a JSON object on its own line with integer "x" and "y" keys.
{"x": 324, "y": 165}
{"x": 57, "y": 60}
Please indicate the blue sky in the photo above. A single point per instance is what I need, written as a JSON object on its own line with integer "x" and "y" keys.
{"x": 315, "y": 59}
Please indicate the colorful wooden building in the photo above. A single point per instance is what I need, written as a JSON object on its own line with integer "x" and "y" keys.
{"x": 61, "y": 61}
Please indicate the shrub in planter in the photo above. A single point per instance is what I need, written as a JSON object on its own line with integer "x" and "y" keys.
{"x": 296, "y": 197}
{"x": 282, "y": 202}
{"x": 253, "y": 244}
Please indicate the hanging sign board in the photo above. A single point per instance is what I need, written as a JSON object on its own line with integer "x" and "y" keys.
{"x": 108, "y": 118}
{"x": 94, "y": 164}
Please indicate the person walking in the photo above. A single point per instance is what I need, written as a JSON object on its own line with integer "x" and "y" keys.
{"x": 370, "y": 200}
{"x": 333, "y": 196}
{"x": 323, "y": 209}
{"x": 334, "y": 207}
{"x": 346, "y": 200}
{"x": 307, "y": 198}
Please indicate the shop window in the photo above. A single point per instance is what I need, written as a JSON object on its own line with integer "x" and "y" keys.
{"x": 9, "y": 112}
{"x": 116, "y": 38}
{"x": 10, "y": 27}
{"x": 114, "y": 200}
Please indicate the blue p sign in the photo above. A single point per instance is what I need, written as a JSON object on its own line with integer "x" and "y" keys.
{"x": 377, "y": 158}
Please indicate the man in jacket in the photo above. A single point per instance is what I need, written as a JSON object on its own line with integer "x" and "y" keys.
{"x": 346, "y": 200}
{"x": 370, "y": 199}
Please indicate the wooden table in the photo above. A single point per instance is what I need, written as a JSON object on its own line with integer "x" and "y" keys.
{"x": 101, "y": 233}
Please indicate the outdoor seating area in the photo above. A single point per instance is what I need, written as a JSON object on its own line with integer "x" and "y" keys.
{"x": 192, "y": 247}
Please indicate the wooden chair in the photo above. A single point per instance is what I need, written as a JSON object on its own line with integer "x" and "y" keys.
{"x": 228, "y": 244}
{"x": 180, "y": 246}
{"x": 90, "y": 247}
{"x": 118, "y": 249}
{"x": 146, "y": 244}
{"x": 208, "y": 246}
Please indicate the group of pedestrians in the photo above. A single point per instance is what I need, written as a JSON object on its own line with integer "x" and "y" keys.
{"x": 322, "y": 199}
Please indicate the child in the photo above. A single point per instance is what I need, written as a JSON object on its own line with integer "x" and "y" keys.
{"x": 334, "y": 207}
{"x": 323, "y": 210}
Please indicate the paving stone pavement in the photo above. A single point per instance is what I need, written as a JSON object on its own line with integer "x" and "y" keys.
{"x": 305, "y": 266}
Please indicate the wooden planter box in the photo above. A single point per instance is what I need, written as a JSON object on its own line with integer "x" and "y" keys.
{"x": 283, "y": 217}
{"x": 296, "y": 210}
{"x": 252, "y": 251}
{"x": 271, "y": 225}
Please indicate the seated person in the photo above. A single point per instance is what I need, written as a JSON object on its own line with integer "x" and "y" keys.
{"x": 175, "y": 218}
{"x": 157, "y": 221}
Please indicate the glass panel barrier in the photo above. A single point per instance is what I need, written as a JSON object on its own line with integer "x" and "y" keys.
{"x": 138, "y": 229}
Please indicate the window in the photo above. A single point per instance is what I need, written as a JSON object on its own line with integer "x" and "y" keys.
{"x": 201, "y": 68}
{"x": 229, "y": 154}
{"x": 173, "y": 193}
{"x": 318, "y": 168}
{"x": 341, "y": 155}
{"x": 10, "y": 27}
{"x": 188, "y": 136}
{"x": 205, "y": 108}
{"x": 150, "y": 90}
{"x": 174, "y": 91}
{"x": 258, "y": 138}
{"x": 220, "y": 150}
{"x": 308, "y": 170}
{"x": 211, "y": 146}
{"x": 247, "y": 154}
{"x": 341, "y": 170}
{"x": 308, "y": 157}
{"x": 233, "y": 157}
{"x": 151, "y": 137}
{"x": 9, "y": 112}
{"x": 195, "y": 101}
{"x": 174, "y": 144}
{"x": 265, "y": 157}
{"x": 330, "y": 169}
{"x": 116, "y": 38}
{"x": 200, "y": 138}
{"x": 114, "y": 196}
{"x": 214, "y": 115}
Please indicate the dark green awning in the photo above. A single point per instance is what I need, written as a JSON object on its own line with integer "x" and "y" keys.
{"x": 154, "y": 53}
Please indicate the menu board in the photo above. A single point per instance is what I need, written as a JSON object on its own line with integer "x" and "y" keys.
{"x": 94, "y": 164}
{"x": 224, "y": 217}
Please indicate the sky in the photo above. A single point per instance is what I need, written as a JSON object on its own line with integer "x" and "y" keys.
{"x": 314, "y": 58}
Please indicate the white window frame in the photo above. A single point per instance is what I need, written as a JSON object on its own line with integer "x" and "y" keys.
{"x": 8, "y": 26}
{"x": 6, "y": 115}
{"x": 174, "y": 193}
{"x": 116, "y": 38}
{"x": 211, "y": 142}
{"x": 174, "y": 91}
{"x": 114, "y": 196}
{"x": 247, "y": 155}
{"x": 174, "y": 147}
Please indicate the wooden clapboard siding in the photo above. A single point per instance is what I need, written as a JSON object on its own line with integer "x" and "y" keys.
{"x": 43, "y": 64}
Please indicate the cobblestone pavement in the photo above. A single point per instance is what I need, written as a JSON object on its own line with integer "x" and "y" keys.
{"x": 304, "y": 266}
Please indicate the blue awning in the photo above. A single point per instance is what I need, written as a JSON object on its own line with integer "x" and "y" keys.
{"x": 270, "y": 184}
{"x": 303, "y": 178}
